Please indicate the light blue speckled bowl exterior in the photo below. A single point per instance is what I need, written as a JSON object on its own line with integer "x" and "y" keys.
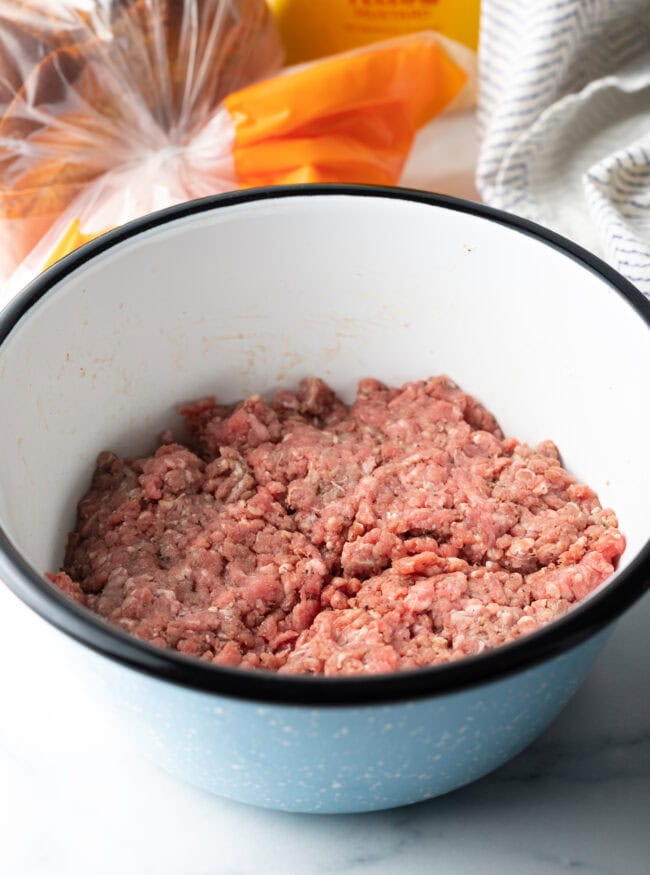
{"x": 253, "y": 290}
{"x": 342, "y": 759}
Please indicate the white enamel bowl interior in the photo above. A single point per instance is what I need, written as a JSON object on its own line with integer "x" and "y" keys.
{"x": 249, "y": 297}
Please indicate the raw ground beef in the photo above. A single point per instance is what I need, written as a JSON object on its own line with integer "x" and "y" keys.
{"x": 303, "y": 535}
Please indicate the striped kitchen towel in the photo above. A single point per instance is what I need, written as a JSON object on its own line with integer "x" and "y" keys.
{"x": 564, "y": 117}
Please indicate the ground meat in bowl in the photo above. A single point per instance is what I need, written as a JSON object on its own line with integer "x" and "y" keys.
{"x": 304, "y": 536}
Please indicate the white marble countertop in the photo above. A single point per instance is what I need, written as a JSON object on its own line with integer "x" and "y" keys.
{"x": 75, "y": 801}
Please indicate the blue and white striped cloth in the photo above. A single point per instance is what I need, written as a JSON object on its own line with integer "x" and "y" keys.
{"x": 564, "y": 116}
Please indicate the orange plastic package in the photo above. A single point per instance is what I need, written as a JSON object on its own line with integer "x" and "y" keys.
{"x": 114, "y": 108}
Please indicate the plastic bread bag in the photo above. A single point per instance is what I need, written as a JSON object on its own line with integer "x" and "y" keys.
{"x": 139, "y": 106}
{"x": 88, "y": 86}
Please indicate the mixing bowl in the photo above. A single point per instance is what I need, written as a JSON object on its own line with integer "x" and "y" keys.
{"x": 248, "y": 291}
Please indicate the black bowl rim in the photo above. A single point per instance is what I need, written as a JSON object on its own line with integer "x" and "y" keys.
{"x": 584, "y": 621}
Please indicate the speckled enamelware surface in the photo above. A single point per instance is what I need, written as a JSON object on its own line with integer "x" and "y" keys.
{"x": 343, "y": 759}
{"x": 241, "y": 293}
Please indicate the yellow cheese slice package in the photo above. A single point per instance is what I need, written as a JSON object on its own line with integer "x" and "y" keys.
{"x": 313, "y": 28}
